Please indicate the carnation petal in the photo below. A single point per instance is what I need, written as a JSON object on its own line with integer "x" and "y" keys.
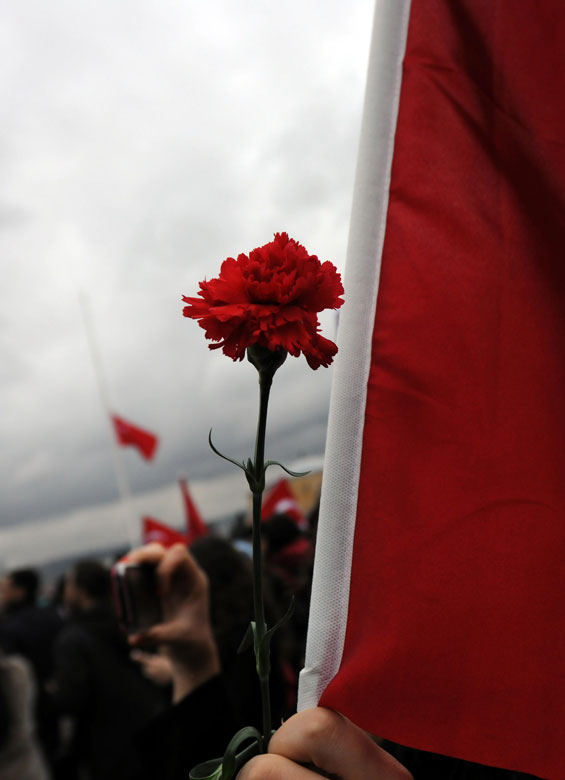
{"x": 321, "y": 353}
{"x": 270, "y": 297}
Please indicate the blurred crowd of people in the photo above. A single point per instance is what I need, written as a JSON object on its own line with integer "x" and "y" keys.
{"x": 80, "y": 701}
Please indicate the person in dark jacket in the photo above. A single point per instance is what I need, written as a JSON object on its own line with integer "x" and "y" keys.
{"x": 96, "y": 682}
{"x": 26, "y": 628}
{"x": 230, "y": 582}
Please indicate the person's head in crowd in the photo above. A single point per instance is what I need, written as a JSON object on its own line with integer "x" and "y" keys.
{"x": 242, "y": 527}
{"x": 231, "y": 590}
{"x": 278, "y": 532}
{"x": 288, "y": 554}
{"x": 230, "y": 582}
{"x": 88, "y": 586}
{"x": 19, "y": 588}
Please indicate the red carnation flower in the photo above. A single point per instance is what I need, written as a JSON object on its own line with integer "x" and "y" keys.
{"x": 272, "y": 298}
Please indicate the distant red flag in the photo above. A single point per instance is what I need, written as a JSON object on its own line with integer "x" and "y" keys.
{"x": 195, "y": 525}
{"x": 130, "y": 435}
{"x": 281, "y": 501}
{"x": 155, "y": 531}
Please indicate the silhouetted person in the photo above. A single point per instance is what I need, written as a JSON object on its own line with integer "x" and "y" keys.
{"x": 289, "y": 557}
{"x": 96, "y": 681}
{"x": 231, "y": 611}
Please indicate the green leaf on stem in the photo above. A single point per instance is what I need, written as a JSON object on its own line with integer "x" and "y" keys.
{"x": 247, "y": 640}
{"x": 233, "y": 761}
{"x": 262, "y": 648}
{"x": 227, "y": 767}
{"x": 284, "y": 468}
{"x": 225, "y": 457}
{"x": 208, "y": 770}
{"x": 284, "y": 620}
{"x": 255, "y": 485}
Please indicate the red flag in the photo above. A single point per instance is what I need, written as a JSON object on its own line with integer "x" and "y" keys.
{"x": 155, "y": 531}
{"x": 131, "y": 435}
{"x": 281, "y": 501}
{"x": 437, "y": 617}
{"x": 195, "y": 525}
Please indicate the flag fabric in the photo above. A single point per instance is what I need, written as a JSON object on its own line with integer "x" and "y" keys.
{"x": 132, "y": 435}
{"x": 155, "y": 531}
{"x": 195, "y": 525}
{"x": 437, "y": 617}
{"x": 280, "y": 500}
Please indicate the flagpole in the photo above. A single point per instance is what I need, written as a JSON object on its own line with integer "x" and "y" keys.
{"x": 120, "y": 472}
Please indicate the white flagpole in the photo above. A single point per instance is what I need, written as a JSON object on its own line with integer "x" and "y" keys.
{"x": 128, "y": 516}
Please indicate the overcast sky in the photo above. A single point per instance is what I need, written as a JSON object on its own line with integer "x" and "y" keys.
{"x": 142, "y": 142}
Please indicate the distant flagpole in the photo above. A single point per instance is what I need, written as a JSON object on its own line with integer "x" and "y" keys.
{"x": 124, "y": 489}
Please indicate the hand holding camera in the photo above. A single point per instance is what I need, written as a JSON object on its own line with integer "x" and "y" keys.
{"x": 184, "y": 634}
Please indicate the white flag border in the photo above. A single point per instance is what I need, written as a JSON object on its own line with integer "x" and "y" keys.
{"x": 338, "y": 506}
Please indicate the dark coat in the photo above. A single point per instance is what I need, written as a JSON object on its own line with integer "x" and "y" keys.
{"x": 103, "y": 689}
{"x": 30, "y": 631}
{"x": 196, "y": 729}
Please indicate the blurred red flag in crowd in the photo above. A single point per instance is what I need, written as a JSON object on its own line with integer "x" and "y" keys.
{"x": 155, "y": 531}
{"x": 195, "y": 525}
{"x": 280, "y": 500}
{"x": 437, "y": 610}
{"x": 131, "y": 435}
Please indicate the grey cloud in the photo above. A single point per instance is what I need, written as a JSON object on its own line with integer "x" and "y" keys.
{"x": 142, "y": 144}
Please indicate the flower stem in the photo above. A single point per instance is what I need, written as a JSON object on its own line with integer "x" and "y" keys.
{"x": 265, "y": 382}
{"x": 261, "y": 645}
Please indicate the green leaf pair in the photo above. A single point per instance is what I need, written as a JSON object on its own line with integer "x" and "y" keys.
{"x": 254, "y": 479}
{"x": 227, "y": 767}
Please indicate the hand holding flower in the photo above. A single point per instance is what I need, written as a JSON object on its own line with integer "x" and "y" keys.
{"x": 321, "y": 741}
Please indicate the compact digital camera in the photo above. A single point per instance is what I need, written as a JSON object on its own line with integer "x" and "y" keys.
{"x": 135, "y": 589}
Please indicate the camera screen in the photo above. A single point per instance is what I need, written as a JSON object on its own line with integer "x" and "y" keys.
{"x": 138, "y": 598}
